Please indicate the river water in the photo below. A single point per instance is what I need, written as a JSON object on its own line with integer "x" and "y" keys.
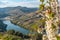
{"x": 11, "y": 26}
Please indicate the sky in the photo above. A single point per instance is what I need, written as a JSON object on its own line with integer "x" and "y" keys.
{"x": 23, "y": 3}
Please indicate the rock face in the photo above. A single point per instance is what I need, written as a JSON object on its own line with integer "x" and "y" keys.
{"x": 2, "y": 26}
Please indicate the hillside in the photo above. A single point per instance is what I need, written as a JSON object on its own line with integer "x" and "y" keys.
{"x": 8, "y": 11}
{"x": 32, "y": 21}
{"x": 2, "y": 26}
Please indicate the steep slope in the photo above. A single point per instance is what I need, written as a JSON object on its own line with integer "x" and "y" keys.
{"x": 30, "y": 21}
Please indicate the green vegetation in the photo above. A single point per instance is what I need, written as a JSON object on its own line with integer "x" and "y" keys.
{"x": 58, "y": 38}
{"x": 30, "y": 25}
{"x": 11, "y": 32}
{"x": 11, "y": 37}
{"x": 7, "y": 36}
{"x": 35, "y": 22}
{"x": 19, "y": 36}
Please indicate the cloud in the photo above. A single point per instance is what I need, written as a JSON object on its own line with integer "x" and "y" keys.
{"x": 24, "y": 3}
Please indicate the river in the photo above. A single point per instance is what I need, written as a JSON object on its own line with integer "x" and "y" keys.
{"x": 11, "y": 26}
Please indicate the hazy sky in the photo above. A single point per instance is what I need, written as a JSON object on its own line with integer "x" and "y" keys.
{"x": 24, "y": 3}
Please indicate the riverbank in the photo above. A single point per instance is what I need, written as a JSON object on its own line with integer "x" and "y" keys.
{"x": 25, "y": 27}
{"x": 11, "y": 26}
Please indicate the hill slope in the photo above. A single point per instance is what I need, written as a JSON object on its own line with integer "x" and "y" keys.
{"x": 7, "y": 11}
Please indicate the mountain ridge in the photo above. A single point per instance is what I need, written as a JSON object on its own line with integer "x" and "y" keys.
{"x": 6, "y": 11}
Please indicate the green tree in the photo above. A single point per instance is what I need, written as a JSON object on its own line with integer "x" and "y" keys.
{"x": 11, "y": 32}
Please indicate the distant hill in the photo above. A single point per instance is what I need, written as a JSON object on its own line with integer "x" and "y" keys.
{"x": 16, "y": 11}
